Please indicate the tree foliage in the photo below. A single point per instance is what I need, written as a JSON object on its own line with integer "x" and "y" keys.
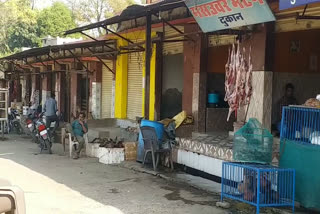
{"x": 55, "y": 20}
{"x": 23, "y": 26}
{"x": 13, "y": 12}
{"x": 86, "y": 12}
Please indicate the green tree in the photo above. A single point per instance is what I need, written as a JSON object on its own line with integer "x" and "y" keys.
{"x": 13, "y": 12}
{"x": 86, "y": 12}
{"x": 23, "y": 34}
{"x": 55, "y": 20}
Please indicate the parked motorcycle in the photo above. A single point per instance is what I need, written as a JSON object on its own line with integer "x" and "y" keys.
{"x": 43, "y": 135}
{"x": 14, "y": 121}
{"x": 44, "y": 138}
{"x": 31, "y": 125}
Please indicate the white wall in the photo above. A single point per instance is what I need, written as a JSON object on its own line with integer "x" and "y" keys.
{"x": 200, "y": 162}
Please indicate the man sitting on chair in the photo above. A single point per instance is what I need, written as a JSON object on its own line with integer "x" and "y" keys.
{"x": 78, "y": 128}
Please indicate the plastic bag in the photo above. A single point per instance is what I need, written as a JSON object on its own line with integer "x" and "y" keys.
{"x": 179, "y": 118}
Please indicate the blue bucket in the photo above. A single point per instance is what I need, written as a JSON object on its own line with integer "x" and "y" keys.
{"x": 213, "y": 98}
{"x": 159, "y": 127}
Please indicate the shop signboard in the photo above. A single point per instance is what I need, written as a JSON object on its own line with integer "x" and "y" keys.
{"x": 214, "y": 15}
{"x": 287, "y": 4}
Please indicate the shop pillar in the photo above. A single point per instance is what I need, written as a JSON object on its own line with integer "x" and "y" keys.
{"x": 194, "y": 90}
{"x": 73, "y": 91}
{"x": 121, "y": 83}
{"x": 46, "y": 87}
{"x": 23, "y": 83}
{"x": 95, "y": 89}
{"x": 260, "y": 106}
{"x": 58, "y": 86}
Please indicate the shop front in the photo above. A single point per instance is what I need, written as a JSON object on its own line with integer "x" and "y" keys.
{"x": 296, "y": 64}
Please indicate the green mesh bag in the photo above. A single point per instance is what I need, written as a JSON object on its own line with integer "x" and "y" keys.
{"x": 252, "y": 143}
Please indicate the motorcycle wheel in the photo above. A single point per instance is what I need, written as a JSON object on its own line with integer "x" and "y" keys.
{"x": 35, "y": 139}
{"x": 48, "y": 145}
{"x": 17, "y": 127}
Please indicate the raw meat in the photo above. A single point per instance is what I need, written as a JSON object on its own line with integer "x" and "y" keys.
{"x": 238, "y": 82}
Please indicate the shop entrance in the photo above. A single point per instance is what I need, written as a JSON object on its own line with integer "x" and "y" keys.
{"x": 83, "y": 89}
{"x": 172, "y": 85}
{"x": 217, "y": 109}
{"x": 296, "y": 61}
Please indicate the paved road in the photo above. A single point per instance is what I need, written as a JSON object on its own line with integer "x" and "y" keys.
{"x": 55, "y": 184}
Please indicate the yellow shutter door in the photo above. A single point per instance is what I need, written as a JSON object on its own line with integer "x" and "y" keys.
{"x": 106, "y": 90}
{"x": 135, "y": 78}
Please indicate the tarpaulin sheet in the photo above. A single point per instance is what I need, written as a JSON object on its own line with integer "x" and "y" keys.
{"x": 305, "y": 159}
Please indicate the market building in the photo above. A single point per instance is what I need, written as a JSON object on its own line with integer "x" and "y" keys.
{"x": 69, "y": 71}
{"x": 161, "y": 63}
{"x": 185, "y": 64}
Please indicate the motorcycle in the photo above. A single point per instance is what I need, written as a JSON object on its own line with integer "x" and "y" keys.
{"x": 31, "y": 125}
{"x": 14, "y": 121}
{"x": 43, "y": 135}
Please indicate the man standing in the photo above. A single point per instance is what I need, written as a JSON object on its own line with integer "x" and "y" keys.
{"x": 50, "y": 109}
{"x": 78, "y": 129}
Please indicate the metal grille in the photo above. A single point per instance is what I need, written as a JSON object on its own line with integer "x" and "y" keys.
{"x": 301, "y": 124}
{"x": 258, "y": 185}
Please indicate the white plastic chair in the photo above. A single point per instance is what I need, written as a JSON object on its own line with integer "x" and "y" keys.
{"x": 11, "y": 198}
{"x": 72, "y": 143}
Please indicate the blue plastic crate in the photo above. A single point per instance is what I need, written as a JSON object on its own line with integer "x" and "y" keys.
{"x": 274, "y": 188}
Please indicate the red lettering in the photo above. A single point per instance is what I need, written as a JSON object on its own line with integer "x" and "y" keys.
{"x": 225, "y": 5}
{"x": 219, "y": 7}
{"x": 247, "y": 3}
{"x": 195, "y": 12}
{"x": 212, "y": 9}
{"x": 237, "y": 3}
{"x": 204, "y": 10}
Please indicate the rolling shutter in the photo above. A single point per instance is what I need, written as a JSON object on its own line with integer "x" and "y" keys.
{"x": 220, "y": 40}
{"x": 171, "y": 48}
{"x": 135, "y": 78}
{"x": 106, "y": 90}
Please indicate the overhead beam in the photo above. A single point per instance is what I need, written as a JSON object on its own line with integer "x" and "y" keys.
{"x": 309, "y": 17}
{"x": 175, "y": 40}
{"x": 176, "y": 29}
{"x": 53, "y": 59}
{"x": 87, "y": 35}
{"x": 40, "y": 60}
{"x": 155, "y": 39}
{"x": 76, "y": 58}
{"x": 17, "y": 65}
{"x": 26, "y": 60}
{"x": 122, "y": 37}
{"x": 103, "y": 63}
{"x": 55, "y": 71}
{"x": 96, "y": 40}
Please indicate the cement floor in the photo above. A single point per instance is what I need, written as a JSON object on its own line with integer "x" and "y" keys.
{"x": 55, "y": 184}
